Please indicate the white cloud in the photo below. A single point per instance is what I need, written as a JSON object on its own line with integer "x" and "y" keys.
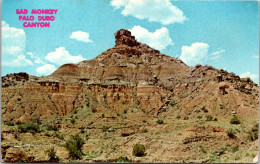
{"x": 217, "y": 54}
{"x": 80, "y": 36}
{"x": 18, "y": 62}
{"x": 194, "y": 54}
{"x": 36, "y": 58}
{"x": 256, "y": 56}
{"x": 12, "y": 50}
{"x": 154, "y": 10}
{"x": 13, "y": 46}
{"x": 251, "y": 75}
{"x": 61, "y": 56}
{"x": 159, "y": 39}
{"x": 46, "y": 69}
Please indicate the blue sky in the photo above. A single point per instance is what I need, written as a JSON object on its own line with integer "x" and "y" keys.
{"x": 223, "y": 34}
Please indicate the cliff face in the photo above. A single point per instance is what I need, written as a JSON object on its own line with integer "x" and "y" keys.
{"x": 129, "y": 75}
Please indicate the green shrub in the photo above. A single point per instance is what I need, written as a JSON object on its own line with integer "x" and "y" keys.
{"x": 105, "y": 128}
{"x": 72, "y": 120}
{"x": 51, "y": 154}
{"x": 144, "y": 130}
{"x": 160, "y": 121}
{"x": 234, "y": 120}
{"x": 186, "y": 118}
{"x": 235, "y": 148}
{"x": 9, "y": 123}
{"x": 209, "y": 118}
{"x": 253, "y": 133}
{"x": 139, "y": 150}
{"x": 122, "y": 159}
{"x": 94, "y": 110}
{"x": 204, "y": 109}
{"x": 231, "y": 133}
{"x": 59, "y": 135}
{"x": 75, "y": 111}
{"x": 74, "y": 145}
{"x": 29, "y": 127}
{"x": 37, "y": 121}
{"x": 53, "y": 127}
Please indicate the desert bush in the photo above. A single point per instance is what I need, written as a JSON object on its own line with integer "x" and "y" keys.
{"x": 9, "y": 123}
{"x": 105, "y": 128}
{"x": 144, "y": 130}
{"x": 72, "y": 120}
{"x": 75, "y": 111}
{"x": 231, "y": 133}
{"x": 235, "y": 148}
{"x": 53, "y": 127}
{"x": 139, "y": 150}
{"x": 215, "y": 119}
{"x": 178, "y": 117}
{"x": 51, "y": 154}
{"x": 160, "y": 121}
{"x": 94, "y": 110}
{"x": 204, "y": 109}
{"x": 122, "y": 159}
{"x": 59, "y": 135}
{"x": 199, "y": 117}
{"x": 253, "y": 133}
{"x": 186, "y": 118}
{"x": 29, "y": 127}
{"x": 209, "y": 118}
{"x": 37, "y": 121}
{"x": 74, "y": 145}
{"x": 234, "y": 120}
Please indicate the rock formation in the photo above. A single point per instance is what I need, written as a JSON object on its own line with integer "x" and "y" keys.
{"x": 131, "y": 74}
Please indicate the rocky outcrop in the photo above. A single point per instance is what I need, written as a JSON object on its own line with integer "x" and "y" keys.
{"x": 14, "y": 79}
{"x": 17, "y": 155}
{"x": 129, "y": 75}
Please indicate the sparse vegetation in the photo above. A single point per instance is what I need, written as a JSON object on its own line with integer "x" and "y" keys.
{"x": 199, "y": 117}
{"x": 186, "y": 118}
{"x": 9, "y": 123}
{"x": 160, "y": 121}
{"x": 253, "y": 133}
{"x": 235, "y": 120}
{"x": 59, "y": 135}
{"x": 94, "y": 110}
{"x": 231, "y": 133}
{"x": 178, "y": 116}
{"x": 215, "y": 119}
{"x": 144, "y": 130}
{"x": 235, "y": 148}
{"x": 53, "y": 127}
{"x": 72, "y": 120}
{"x": 139, "y": 150}
{"x": 74, "y": 145}
{"x": 122, "y": 160}
{"x": 204, "y": 109}
{"x": 105, "y": 128}
{"x": 29, "y": 127}
{"x": 182, "y": 95}
{"x": 51, "y": 154}
{"x": 209, "y": 118}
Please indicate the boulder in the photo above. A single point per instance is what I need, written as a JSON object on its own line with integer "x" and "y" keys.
{"x": 17, "y": 155}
